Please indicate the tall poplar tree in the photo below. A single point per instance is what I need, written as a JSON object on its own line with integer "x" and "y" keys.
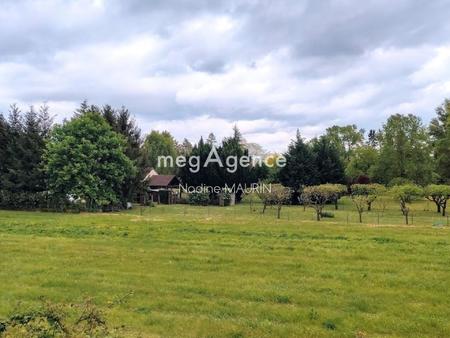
{"x": 404, "y": 150}
{"x": 440, "y": 135}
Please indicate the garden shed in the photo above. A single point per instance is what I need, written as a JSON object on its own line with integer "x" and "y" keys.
{"x": 162, "y": 188}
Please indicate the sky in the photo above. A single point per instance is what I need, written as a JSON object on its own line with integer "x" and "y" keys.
{"x": 194, "y": 66}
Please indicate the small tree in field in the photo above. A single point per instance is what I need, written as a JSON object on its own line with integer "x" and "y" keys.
{"x": 360, "y": 202}
{"x": 266, "y": 199}
{"x": 369, "y": 191}
{"x": 278, "y": 196}
{"x": 281, "y": 196}
{"x": 439, "y": 194}
{"x": 405, "y": 194}
{"x": 317, "y": 196}
{"x": 382, "y": 202}
{"x": 337, "y": 191}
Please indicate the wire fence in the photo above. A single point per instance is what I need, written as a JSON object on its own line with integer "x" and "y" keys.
{"x": 254, "y": 211}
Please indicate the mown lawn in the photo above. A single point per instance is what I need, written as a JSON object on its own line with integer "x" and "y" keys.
{"x": 183, "y": 271}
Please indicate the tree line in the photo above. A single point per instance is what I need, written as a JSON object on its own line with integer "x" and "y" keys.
{"x": 100, "y": 156}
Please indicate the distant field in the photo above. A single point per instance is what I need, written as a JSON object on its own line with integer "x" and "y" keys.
{"x": 183, "y": 271}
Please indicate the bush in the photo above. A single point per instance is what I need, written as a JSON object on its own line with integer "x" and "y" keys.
{"x": 399, "y": 181}
{"x": 362, "y": 179}
{"x": 21, "y": 200}
{"x": 52, "y": 320}
{"x": 226, "y": 195}
{"x": 199, "y": 198}
{"x": 326, "y": 214}
{"x": 329, "y": 325}
{"x": 46, "y": 201}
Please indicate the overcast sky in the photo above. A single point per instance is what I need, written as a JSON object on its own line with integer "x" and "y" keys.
{"x": 195, "y": 66}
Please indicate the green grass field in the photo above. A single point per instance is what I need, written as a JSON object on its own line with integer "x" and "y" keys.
{"x": 183, "y": 271}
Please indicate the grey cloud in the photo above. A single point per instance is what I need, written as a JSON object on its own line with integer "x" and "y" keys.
{"x": 286, "y": 61}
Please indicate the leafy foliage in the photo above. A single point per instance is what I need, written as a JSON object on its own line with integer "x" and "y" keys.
{"x": 317, "y": 196}
{"x": 405, "y": 150}
{"x": 86, "y": 159}
{"x": 22, "y": 143}
{"x": 363, "y": 195}
{"x": 362, "y": 162}
{"x": 300, "y": 167}
{"x": 52, "y": 320}
{"x": 439, "y": 194}
{"x": 158, "y": 144}
{"x": 122, "y": 123}
{"x": 406, "y": 194}
{"x": 336, "y": 191}
{"x": 215, "y": 175}
{"x": 328, "y": 164}
{"x": 369, "y": 192}
{"x": 440, "y": 134}
{"x": 402, "y": 152}
{"x": 277, "y": 195}
{"x": 345, "y": 139}
{"x": 199, "y": 198}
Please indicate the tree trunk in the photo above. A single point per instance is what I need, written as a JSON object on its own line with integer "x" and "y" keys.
{"x": 444, "y": 206}
{"x": 318, "y": 215}
{"x": 369, "y": 206}
{"x": 438, "y": 206}
{"x": 360, "y": 217}
{"x": 336, "y": 204}
{"x": 264, "y": 208}
{"x": 279, "y": 212}
{"x": 406, "y": 218}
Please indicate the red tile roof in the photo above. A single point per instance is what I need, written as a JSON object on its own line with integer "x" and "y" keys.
{"x": 163, "y": 180}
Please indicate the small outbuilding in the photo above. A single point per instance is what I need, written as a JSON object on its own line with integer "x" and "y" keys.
{"x": 163, "y": 189}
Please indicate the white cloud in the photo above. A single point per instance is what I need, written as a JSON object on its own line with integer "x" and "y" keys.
{"x": 195, "y": 67}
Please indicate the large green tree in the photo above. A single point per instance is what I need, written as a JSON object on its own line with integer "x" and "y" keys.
{"x": 195, "y": 173}
{"x": 33, "y": 145}
{"x": 13, "y": 180}
{"x": 363, "y": 162}
{"x": 184, "y": 148}
{"x": 86, "y": 159}
{"x": 159, "y": 144}
{"x": 440, "y": 134}
{"x": 22, "y": 143}
{"x": 328, "y": 164}
{"x": 300, "y": 169}
{"x": 345, "y": 139}
{"x": 4, "y": 138}
{"x": 404, "y": 150}
{"x": 124, "y": 124}
{"x": 234, "y": 147}
{"x": 230, "y": 173}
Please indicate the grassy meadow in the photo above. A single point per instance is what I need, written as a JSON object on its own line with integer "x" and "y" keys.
{"x": 185, "y": 271}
